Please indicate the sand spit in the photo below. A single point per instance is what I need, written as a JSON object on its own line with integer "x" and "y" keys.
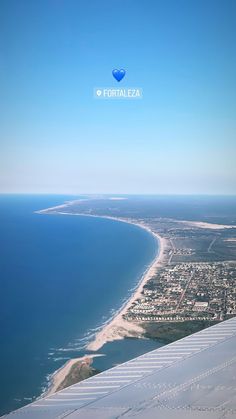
{"x": 65, "y": 371}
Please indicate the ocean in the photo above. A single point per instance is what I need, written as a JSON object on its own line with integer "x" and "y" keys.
{"x": 61, "y": 278}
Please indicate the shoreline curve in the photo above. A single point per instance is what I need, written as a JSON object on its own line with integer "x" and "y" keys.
{"x": 117, "y": 328}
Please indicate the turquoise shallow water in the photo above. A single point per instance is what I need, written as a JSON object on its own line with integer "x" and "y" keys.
{"x": 61, "y": 277}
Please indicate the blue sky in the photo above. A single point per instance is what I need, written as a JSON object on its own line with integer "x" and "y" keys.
{"x": 56, "y": 138}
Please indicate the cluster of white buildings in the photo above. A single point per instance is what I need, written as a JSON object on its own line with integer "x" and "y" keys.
{"x": 188, "y": 291}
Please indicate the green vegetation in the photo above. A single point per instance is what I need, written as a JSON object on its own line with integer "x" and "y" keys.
{"x": 169, "y": 332}
{"x": 78, "y": 372}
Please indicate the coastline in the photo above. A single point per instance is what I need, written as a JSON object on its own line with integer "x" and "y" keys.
{"x": 59, "y": 375}
{"x": 117, "y": 327}
{"x": 64, "y": 373}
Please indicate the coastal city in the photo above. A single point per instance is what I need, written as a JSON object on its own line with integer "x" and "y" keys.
{"x": 191, "y": 281}
{"x": 188, "y": 291}
{"x": 190, "y": 284}
{"x": 118, "y": 209}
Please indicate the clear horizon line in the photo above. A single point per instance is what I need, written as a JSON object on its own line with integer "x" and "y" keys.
{"x": 117, "y": 194}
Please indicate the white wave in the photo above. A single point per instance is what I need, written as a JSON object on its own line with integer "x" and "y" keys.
{"x": 71, "y": 349}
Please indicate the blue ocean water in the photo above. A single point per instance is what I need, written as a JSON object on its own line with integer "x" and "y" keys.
{"x": 60, "y": 278}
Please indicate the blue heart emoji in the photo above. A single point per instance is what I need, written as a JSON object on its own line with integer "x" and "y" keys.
{"x": 118, "y": 74}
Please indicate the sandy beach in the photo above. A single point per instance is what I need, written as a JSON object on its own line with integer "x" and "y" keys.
{"x": 119, "y": 328}
{"x": 61, "y": 374}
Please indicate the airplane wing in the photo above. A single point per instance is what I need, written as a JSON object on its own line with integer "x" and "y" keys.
{"x": 194, "y": 377}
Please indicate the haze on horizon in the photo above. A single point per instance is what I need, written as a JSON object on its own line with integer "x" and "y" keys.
{"x": 56, "y": 138}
